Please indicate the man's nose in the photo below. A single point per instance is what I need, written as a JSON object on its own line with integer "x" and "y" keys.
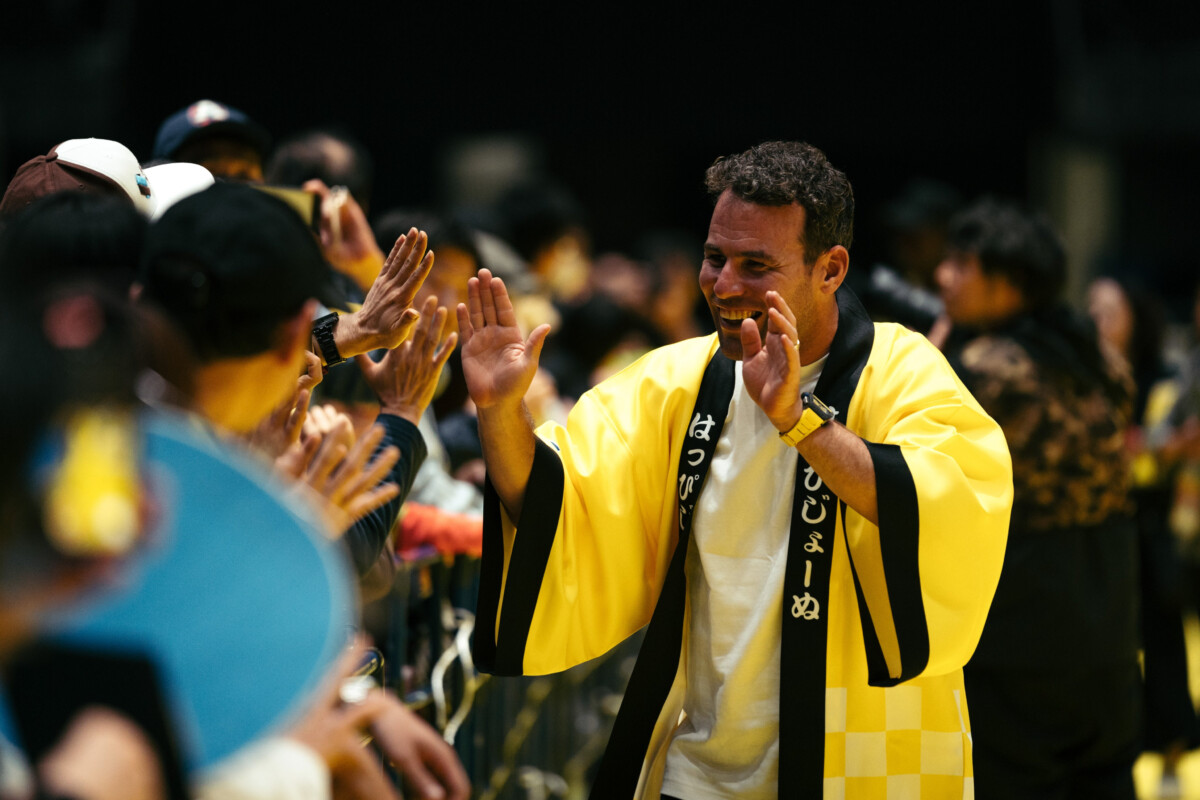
{"x": 728, "y": 283}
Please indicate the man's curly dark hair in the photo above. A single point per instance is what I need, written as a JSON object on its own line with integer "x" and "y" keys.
{"x": 782, "y": 173}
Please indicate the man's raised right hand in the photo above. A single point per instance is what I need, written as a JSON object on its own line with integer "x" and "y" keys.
{"x": 498, "y": 363}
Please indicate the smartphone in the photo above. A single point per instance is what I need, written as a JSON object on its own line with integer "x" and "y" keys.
{"x": 305, "y": 203}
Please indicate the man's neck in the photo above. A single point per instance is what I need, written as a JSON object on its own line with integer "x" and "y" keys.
{"x": 816, "y": 349}
{"x": 229, "y": 393}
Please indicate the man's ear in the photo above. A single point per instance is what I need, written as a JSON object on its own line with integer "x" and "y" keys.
{"x": 295, "y": 333}
{"x": 833, "y": 265}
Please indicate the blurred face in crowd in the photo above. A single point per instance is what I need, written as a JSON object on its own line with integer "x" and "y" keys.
{"x": 228, "y": 399}
{"x": 625, "y": 281}
{"x": 751, "y": 250}
{"x": 563, "y": 265}
{"x": 972, "y": 296}
{"x": 452, "y": 268}
{"x": 229, "y": 159}
{"x": 1109, "y": 308}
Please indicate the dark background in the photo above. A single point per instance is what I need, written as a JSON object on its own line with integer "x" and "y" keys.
{"x": 628, "y": 106}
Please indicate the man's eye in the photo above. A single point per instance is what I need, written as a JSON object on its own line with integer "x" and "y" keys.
{"x": 714, "y": 260}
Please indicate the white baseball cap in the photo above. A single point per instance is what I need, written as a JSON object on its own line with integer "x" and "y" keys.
{"x": 98, "y": 166}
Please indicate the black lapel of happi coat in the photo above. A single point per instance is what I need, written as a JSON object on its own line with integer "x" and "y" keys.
{"x": 803, "y": 652}
{"x": 658, "y": 660}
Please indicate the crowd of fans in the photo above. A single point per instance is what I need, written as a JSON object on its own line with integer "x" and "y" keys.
{"x": 219, "y": 286}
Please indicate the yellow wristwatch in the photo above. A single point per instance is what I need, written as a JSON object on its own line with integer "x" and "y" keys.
{"x": 814, "y": 415}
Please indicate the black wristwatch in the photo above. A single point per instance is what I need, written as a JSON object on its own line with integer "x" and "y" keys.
{"x": 323, "y": 330}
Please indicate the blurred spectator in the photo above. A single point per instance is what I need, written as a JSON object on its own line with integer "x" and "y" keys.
{"x": 72, "y": 236}
{"x": 328, "y": 156}
{"x": 1176, "y": 440}
{"x": 72, "y": 336}
{"x": 627, "y": 282}
{"x": 1129, "y": 318}
{"x": 65, "y": 262}
{"x": 901, "y": 288}
{"x": 341, "y": 172}
{"x": 916, "y": 223}
{"x": 592, "y": 332}
{"x": 76, "y": 242}
{"x": 545, "y": 225}
{"x": 236, "y": 270}
{"x": 218, "y": 137}
{"x": 1055, "y": 684}
{"x": 678, "y": 309}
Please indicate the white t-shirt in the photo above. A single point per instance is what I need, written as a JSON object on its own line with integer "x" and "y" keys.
{"x": 728, "y": 743}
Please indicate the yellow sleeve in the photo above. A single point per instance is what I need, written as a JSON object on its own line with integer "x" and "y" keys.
{"x": 584, "y": 569}
{"x": 926, "y": 576}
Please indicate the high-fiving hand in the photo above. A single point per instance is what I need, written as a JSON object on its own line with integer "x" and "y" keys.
{"x": 406, "y": 378}
{"x": 387, "y": 316}
{"x": 498, "y": 362}
{"x": 334, "y": 731}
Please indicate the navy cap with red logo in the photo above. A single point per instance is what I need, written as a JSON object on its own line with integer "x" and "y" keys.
{"x": 206, "y": 119}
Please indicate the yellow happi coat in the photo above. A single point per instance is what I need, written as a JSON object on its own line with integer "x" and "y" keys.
{"x": 585, "y": 569}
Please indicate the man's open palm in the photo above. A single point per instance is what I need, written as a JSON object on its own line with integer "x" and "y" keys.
{"x": 771, "y": 368}
{"x": 498, "y": 362}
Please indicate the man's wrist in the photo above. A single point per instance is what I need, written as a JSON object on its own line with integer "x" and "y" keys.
{"x": 350, "y": 338}
{"x": 503, "y": 409}
{"x": 405, "y": 411}
{"x": 788, "y": 421}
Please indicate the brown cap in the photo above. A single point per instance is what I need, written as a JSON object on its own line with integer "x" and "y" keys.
{"x": 47, "y": 175}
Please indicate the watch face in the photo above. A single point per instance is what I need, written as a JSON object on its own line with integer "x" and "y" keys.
{"x": 820, "y": 409}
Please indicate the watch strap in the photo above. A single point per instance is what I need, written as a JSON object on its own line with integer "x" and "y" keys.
{"x": 323, "y": 329}
{"x": 809, "y": 421}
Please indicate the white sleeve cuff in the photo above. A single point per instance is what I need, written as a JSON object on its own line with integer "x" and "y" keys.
{"x": 275, "y": 768}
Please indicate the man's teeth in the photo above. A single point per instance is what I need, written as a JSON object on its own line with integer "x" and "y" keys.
{"x": 737, "y": 316}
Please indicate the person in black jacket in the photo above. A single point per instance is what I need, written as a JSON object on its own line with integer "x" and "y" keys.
{"x": 1054, "y": 686}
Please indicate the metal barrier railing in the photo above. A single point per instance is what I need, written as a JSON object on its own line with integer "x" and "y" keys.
{"x": 518, "y": 738}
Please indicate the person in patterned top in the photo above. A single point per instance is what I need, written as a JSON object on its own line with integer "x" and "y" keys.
{"x": 1054, "y": 685}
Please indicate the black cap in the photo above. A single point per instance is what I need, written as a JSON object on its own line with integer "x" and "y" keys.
{"x": 231, "y": 255}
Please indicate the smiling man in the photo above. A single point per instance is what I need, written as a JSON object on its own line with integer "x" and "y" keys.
{"x": 808, "y": 509}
